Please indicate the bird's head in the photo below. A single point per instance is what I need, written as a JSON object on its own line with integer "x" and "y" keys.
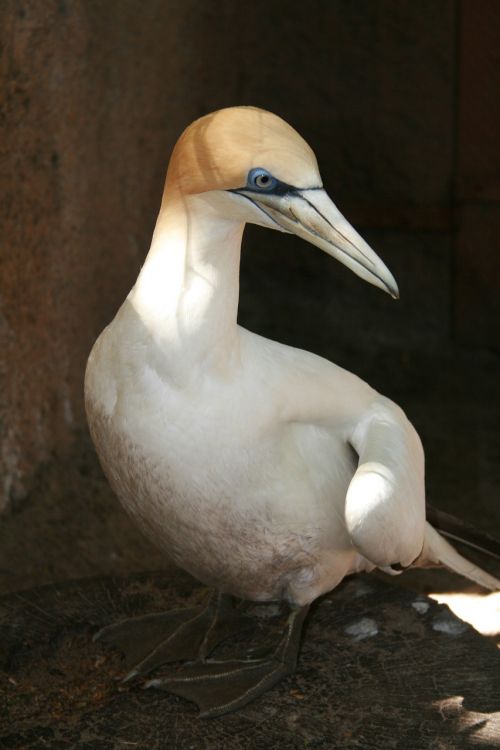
{"x": 252, "y": 166}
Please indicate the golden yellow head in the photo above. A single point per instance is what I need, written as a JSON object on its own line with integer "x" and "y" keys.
{"x": 218, "y": 151}
{"x": 251, "y": 166}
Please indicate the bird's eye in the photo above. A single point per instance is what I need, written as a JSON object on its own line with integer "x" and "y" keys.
{"x": 259, "y": 178}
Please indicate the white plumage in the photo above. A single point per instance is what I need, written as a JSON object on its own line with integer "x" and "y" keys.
{"x": 265, "y": 471}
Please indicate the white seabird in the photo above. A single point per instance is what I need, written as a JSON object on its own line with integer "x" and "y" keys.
{"x": 267, "y": 472}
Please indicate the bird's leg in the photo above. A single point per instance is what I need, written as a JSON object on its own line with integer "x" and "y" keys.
{"x": 152, "y": 640}
{"x": 221, "y": 686}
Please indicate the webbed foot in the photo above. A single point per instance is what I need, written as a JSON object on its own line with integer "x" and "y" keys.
{"x": 152, "y": 640}
{"x": 219, "y": 687}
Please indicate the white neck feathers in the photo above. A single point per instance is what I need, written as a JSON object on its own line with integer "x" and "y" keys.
{"x": 187, "y": 291}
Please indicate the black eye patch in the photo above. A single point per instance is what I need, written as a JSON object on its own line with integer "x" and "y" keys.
{"x": 261, "y": 181}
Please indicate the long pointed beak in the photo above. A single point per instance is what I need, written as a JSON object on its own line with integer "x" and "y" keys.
{"x": 311, "y": 214}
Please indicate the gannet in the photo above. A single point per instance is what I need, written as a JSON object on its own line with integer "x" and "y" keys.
{"x": 266, "y": 472}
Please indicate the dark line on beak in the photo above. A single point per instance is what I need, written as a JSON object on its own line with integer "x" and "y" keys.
{"x": 257, "y": 205}
{"x": 280, "y": 189}
{"x": 316, "y": 234}
{"x": 341, "y": 250}
{"x": 336, "y": 230}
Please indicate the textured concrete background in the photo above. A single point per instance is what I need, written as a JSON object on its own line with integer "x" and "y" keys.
{"x": 399, "y": 101}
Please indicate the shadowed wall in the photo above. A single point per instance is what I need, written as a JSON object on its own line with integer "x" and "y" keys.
{"x": 398, "y": 99}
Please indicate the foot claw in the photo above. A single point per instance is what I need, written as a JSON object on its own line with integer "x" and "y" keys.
{"x": 155, "y": 682}
{"x": 130, "y": 676}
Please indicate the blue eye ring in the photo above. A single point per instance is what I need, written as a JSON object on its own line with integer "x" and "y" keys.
{"x": 261, "y": 179}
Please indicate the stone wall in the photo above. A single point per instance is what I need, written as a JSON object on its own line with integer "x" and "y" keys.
{"x": 93, "y": 96}
{"x": 92, "y": 103}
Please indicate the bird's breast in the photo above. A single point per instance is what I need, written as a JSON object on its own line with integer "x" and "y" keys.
{"x": 240, "y": 499}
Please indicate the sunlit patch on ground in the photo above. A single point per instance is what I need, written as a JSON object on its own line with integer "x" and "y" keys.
{"x": 480, "y": 611}
{"x": 481, "y": 729}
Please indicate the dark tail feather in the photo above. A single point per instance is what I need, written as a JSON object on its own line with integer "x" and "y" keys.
{"x": 453, "y": 528}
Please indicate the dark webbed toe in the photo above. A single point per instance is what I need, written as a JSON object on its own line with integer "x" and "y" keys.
{"x": 139, "y": 636}
{"x": 219, "y": 687}
{"x": 153, "y": 640}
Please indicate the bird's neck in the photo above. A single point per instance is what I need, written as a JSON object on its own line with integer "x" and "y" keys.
{"x": 187, "y": 292}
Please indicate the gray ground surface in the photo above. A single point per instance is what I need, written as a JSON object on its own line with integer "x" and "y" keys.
{"x": 381, "y": 668}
